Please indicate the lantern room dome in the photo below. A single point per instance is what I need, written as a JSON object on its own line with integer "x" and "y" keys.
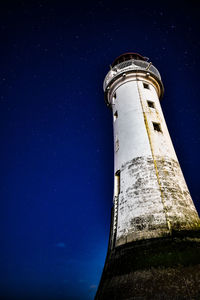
{"x": 128, "y": 56}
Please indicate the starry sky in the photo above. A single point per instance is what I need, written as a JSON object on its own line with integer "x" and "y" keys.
{"x": 56, "y": 132}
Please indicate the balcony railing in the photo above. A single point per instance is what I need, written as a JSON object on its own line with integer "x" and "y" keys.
{"x": 128, "y": 66}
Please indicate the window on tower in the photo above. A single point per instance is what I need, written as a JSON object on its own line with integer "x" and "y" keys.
{"x": 116, "y": 145}
{"x": 115, "y": 115}
{"x": 157, "y": 127}
{"x": 117, "y": 183}
{"x": 151, "y": 104}
{"x": 146, "y": 86}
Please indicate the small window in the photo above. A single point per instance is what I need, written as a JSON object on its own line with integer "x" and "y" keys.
{"x": 157, "y": 127}
{"x": 151, "y": 104}
{"x": 117, "y": 145}
{"x": 146, "y": 86}
{"x": 117, "y": 183}
{"x": 114, "y": 96}
{"x": 115, "y": 115}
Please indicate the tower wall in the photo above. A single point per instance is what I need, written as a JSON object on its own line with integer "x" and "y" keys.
{"x": 153, "y": 197}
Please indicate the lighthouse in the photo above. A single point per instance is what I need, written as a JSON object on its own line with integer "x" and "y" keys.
{"x": 154, "y": 223}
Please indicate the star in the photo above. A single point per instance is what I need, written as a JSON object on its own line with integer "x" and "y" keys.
{"x": 172, "y": 26}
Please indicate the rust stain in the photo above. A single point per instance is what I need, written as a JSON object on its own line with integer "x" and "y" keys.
{"x": 154, "y": 160}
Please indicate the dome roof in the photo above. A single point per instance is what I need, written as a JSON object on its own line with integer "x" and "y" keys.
{"x": 128, "y": 56}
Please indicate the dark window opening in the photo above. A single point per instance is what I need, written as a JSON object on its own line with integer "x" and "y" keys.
{"x": 146, "y": 86}
{"x": 115, "y": 115}
{"x": 151, "y": 104}
{"x": 117, "y": 145}
{"x": 157, "y": 127}
{"x": 114, "y": 96}
{"x": 117, "y": 183}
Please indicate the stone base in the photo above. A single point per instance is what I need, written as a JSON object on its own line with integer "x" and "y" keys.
{"x": 163, "y": 268}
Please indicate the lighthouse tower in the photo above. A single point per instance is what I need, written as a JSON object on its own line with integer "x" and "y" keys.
{"x": 153, "y": 215}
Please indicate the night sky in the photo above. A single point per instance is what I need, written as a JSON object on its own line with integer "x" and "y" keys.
{"x": 56, "y": 131}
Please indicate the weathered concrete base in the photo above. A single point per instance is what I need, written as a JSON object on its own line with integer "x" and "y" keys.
{"x": 163, "y": 268}
{"x": 152, "y": 201}
{"x": 155, "y": 283}
{"x": 140, "y": 235}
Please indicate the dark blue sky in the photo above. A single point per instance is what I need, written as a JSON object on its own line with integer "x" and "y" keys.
{"x": 56, "y": 132}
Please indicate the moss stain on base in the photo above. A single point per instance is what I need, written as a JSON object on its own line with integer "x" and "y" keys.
{"x": 164, "y": 268}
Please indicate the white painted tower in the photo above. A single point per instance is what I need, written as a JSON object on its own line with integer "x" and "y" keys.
{"x": 151, "y": 198}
